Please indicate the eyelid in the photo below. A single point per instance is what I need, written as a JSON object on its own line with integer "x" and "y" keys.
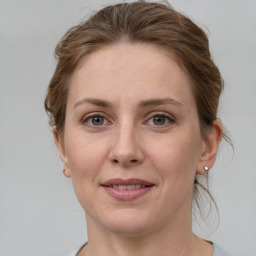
{"x": 160, "y": 113}
{"x": 86, "y": 117}
{"x": 168, "y": 116}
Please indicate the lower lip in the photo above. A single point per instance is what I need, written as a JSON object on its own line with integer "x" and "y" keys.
{"x": 127, "y": 194}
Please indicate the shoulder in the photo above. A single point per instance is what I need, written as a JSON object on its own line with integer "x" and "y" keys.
{"x": 218, "y": 251}
{"x": 73, "y": 253}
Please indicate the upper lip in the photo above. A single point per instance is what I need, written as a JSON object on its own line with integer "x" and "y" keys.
{"x": 113, "y": 182}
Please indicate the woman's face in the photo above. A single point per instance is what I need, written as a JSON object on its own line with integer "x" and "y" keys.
{"x": 132, "y": 141}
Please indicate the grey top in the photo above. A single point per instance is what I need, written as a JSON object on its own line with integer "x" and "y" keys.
{"x": 217, "y": 251}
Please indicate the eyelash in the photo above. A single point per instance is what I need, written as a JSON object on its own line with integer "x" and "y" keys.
{"x": 88, "y": 119}
{"x": 85, "y": 120}
{"x": 168, "y": 119}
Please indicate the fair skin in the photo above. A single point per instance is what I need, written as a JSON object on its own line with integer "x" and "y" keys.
{"x": 131, "y": 114}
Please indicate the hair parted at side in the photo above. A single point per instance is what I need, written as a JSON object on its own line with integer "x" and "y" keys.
{"x": 139, "y": 22}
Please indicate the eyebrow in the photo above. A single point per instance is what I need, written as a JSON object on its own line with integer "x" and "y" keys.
{"x": 157, "y": 102}
{"x": 142, "y": 104}
{"x": 93, "y": 101}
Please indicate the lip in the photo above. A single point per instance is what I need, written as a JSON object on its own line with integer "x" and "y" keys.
{"x": 126, "y": 194}
{"x": 126, "y": 182}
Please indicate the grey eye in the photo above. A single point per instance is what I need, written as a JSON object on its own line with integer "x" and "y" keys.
{"x": 97, "y": 120}
{"x": 159, "y": 120}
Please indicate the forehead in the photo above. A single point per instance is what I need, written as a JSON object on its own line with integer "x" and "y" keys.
{"x": 129, "y": 70}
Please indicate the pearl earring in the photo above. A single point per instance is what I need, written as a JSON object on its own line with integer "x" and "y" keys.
{"x": 206, "y": 168}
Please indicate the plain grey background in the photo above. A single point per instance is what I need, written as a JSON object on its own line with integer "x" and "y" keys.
{"x": 39, "y": 214}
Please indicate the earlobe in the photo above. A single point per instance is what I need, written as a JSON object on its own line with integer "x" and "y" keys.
{"x": 66, "y": 173}
{"x": 211, "y": 144}
{"x": 61, "y": 148}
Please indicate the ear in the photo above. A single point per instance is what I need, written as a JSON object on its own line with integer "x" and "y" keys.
{"x": 59, "y": 141}
{"x": 211, "y": 144}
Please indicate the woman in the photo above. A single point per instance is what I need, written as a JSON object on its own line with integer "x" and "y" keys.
{"x": 133, "y": 104}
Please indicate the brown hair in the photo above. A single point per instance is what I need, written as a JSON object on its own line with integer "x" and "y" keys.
{"x": 136, "y": 22}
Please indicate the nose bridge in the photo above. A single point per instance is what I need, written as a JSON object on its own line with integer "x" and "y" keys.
{"x": 126, "y": 137}
{"x": 126, "y": 148}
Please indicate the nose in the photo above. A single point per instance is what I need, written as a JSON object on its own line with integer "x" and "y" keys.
{"x": 126, "y": 148}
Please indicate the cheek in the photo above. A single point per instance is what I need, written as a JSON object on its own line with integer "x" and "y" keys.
{"x": 84, "y": 155}
{"x": 85, "y": 160}
{"x": 176, "y": 157}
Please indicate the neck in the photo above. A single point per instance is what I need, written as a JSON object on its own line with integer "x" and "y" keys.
{"x": 170, "y": 242}
{"x": 141, "y": 245}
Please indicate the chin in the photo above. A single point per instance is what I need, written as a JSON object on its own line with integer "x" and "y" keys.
{"x": 128, "y": 222}
{"x": 128, "y": 228}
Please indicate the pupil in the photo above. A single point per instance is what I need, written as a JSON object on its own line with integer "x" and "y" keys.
{"x": 97, "y": 120}
{"x": 159, "y": 120}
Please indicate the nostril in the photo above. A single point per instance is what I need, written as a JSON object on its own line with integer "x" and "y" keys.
{"x": 134, "y": 161}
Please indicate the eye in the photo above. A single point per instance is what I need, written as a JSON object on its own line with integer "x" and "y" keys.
{"x": 160, "y": 120}
{"x": 95, "y": 120}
